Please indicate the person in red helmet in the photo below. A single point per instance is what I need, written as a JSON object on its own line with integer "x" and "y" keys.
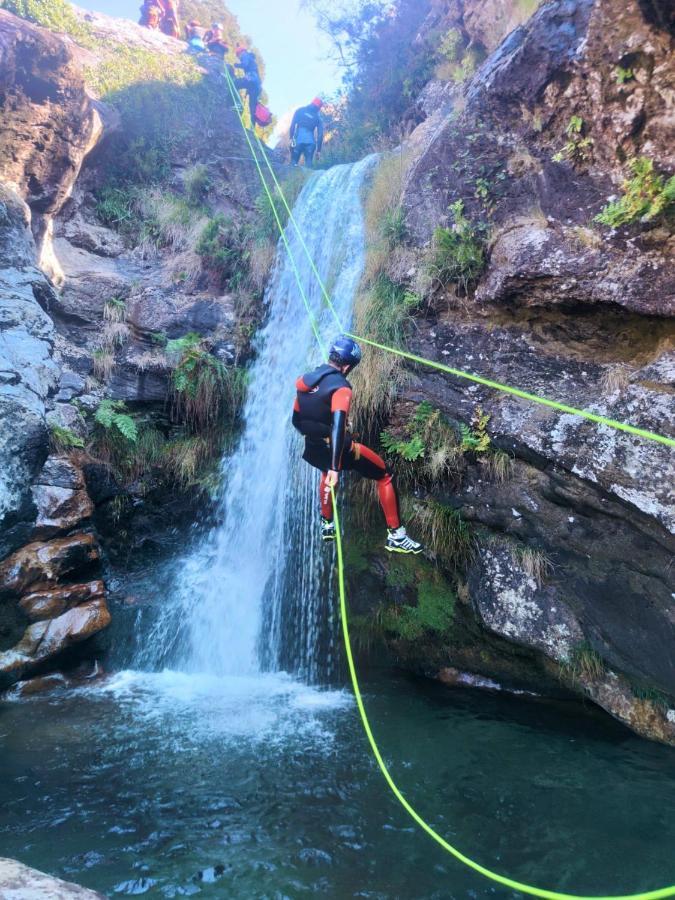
{"x": 250, "y": 81}
{"x": 307, "y": 133}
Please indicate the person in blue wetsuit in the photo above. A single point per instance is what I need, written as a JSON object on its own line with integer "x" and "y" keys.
{"x": 250, "y": 81}
{"x": 307, "y": 133}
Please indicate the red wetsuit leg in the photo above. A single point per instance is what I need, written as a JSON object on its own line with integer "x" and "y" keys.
{"x": 367, "y": 463}
{"x": 326, "y": 499}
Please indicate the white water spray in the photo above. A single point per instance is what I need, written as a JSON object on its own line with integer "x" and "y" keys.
{"x": 251, "y": 597}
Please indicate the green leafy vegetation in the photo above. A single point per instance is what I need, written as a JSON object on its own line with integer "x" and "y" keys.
{"x": 56, "y": 15}
{"x": 63, "y": 440}
{"x": 434, "y": 613}
{"x": 623, "y": 75}
{"x": 113, "y": 416}
{"x": 203, "y": 389}
{"x": 443, "y": 530}
{"x": 458, "y": 253}
{"x": 579, "y": 146}
{"x": 223, "y": 247}
{"x": 475, "y": 438}
{"x": 427, "y": 448}
{"x": 584, "y": 664}
{"x": 646, "y": 196}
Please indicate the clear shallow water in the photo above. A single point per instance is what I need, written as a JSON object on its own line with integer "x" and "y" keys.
{"x": 170, "y": 785}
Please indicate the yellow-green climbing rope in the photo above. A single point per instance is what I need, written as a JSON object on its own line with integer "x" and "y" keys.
{"x": 412, "y": 812}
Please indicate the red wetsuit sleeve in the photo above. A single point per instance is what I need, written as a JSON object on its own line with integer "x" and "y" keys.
{"x": 342, "y": 400}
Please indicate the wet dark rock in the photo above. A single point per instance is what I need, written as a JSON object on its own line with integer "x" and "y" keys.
{"x": 18, "y": 882}
{"x": 46, "y": 563}
{"x": 43, "y": 605}
{"x": 71, "y": 385}
{"x": 50, "y": 639}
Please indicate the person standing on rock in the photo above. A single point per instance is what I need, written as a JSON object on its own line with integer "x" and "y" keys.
{"x": 251, "y": 81}
{"x": 195, "y": 35}
{"x": 320, "y": 414}
{"x": 151, "y": 15}
{"x": 170, "y": 24}
{"x": 307, "y": 133}
{"x": 215, "y": 41}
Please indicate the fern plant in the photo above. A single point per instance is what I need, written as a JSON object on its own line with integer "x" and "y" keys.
{"x": 646, "y": 196}
{"x": 475, "y": 439}
{"x": 112, "y": 416}
{"x": 578, "y": 148}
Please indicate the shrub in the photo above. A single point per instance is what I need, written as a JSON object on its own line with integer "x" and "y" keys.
{"x": 646, "y": 196}
{"x": 223, "y": 249}
{"x": 63, "y": 440}
{"x": 115, "y": 207}
{"x": 458, "y": 253}
{"x": 394, "y": 228}
{"x": 56, "y": 15}
{"x": 197, "y": 183}
{"x": 203, "y": 389}
{"x": 428, "y": 449}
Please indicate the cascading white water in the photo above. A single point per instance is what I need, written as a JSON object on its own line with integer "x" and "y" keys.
{"x": 251, "y": 597}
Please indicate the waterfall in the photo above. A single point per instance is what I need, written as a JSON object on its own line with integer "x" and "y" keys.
{"x": 253, "y": 596}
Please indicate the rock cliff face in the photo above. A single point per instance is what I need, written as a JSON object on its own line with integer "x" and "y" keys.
{"x": 571, "y": 310}
{"x": 86, "y": 310}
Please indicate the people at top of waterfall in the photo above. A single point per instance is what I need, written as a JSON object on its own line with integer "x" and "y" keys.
{"x": 161, "y": 15}
{"x": 195, "y": 35}
{"x": 151, "y": 15}
{"x": 250, "y": 81}
{"x": 321, "y": 415}
{"x": 307, "y": 133}
{"x": 215, "y": 41}
{"x": 169, "y": 24}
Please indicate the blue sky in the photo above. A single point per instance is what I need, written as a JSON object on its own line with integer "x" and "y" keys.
{"x": 296, "y": 54}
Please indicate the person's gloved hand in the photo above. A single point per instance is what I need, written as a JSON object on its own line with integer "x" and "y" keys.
{"x": 332, "y": 480}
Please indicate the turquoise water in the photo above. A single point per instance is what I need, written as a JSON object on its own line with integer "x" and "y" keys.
{"x": 170, "y": 785}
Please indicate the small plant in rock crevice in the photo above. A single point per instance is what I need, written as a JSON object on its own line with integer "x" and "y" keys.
{"x": 623, "y": 75}
{"x": 443, "y": 530}
{"x": 646, "y": 196}
{"x": 113, "y": 417}
{"x": 579, "y": 146}
{"x": 584, "y": 664}
{"x": 63, "y": 440}
{"x": 428, "y": 448}
{"x": 458, "y": 253}
{"x": 534, "y": 563}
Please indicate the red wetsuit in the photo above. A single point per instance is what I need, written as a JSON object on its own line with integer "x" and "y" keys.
{"x": 320, "y": 415}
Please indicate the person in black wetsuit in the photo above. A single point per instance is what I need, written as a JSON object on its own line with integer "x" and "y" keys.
{"x": 320, "y": 415}
{"x": 251, "y": 81}
{"x": 307, "y": 133}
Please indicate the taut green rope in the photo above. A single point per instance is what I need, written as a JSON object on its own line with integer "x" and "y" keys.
{"x": 423, "y": 824}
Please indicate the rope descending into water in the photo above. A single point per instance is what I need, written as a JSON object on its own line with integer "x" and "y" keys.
{"x": 423, "y": 824}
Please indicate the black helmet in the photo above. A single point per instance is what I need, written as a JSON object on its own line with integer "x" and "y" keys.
{"x": 345, "y": 351}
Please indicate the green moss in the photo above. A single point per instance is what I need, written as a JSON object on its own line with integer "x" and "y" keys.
{"x": 432, "y": 616}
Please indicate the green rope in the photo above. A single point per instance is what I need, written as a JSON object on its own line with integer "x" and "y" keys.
{"x": 467, "y": 861}
{"x": 521, "y": 886}
{"x": 459, "y": 373}
{"x": 239, "y": 110}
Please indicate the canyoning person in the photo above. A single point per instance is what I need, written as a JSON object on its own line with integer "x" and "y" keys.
{"x": 215, "y": 41}
{"x": 151, "y": 15}
{"x": 251, "y": 81}
{"x": 320, "y": 414}
{"x": 169, "y": 24}
{"x": 195, "y": 35}
{"x": 307, "y": 133}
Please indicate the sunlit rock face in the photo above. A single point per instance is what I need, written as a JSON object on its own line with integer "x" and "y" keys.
{"x": 567, "y": 309}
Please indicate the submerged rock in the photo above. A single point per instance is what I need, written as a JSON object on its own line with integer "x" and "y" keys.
{"x": 18, "y": 882}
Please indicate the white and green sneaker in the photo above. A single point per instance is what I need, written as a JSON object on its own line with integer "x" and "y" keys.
{"x": 398, "y": 541}
{"x": 327, "y": 530}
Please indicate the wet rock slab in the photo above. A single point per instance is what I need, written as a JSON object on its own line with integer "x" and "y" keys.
{"x": 19, "y": 882}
